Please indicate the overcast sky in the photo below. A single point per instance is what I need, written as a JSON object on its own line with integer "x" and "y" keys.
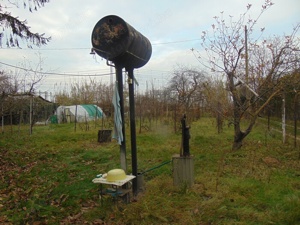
{"x": 172, "y": 26}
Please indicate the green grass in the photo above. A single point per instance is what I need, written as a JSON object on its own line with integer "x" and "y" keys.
{"x": 46, "y": 177}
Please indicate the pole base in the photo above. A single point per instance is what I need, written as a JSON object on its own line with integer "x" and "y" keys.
{"x": 183, "y": 170}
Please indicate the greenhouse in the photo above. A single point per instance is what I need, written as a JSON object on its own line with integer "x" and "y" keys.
{"x": 78, "y": 113}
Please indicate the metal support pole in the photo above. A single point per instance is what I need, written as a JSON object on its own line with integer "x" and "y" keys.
{"x": 133, "y": 130}
{"x": 119, "y": 77}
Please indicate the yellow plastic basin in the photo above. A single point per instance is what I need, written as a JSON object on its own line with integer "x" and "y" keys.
{"x": 115, "y": 175}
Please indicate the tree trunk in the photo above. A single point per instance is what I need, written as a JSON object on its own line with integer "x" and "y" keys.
{"x": 237, "y": 145}
{"x": 240, "y": 135}
{"x": 238, "y": 112}
{"x": 238, "y": 140}
{"x": 219, "y": 118}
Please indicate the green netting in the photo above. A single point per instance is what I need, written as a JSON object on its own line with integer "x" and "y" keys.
{"x": 92, "y": 110}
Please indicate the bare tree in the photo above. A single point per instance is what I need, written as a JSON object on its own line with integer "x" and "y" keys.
{"x": 13, "y": 29}
{"x": 187, "y": 84}
{"x": 18, "y": 89}
{"x": 248, "y": 65}
{"x": 7, "y": 84}
{"x": 29, "y": 76}
{"x": 87, "y": 91}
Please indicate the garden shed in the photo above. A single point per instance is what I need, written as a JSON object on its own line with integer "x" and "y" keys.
{"x": 82, "y": 113}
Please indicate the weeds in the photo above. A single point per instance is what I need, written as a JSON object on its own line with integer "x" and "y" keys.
{"x": 46, "y": 178}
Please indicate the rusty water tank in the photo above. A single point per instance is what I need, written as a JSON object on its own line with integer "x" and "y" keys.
{"x": 117, "y": 41}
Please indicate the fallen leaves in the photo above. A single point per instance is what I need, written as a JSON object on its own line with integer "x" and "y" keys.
{"x": 271, "y": 161}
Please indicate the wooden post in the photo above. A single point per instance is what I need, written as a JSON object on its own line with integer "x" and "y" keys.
{"x": 283, "y": 120}
{"x": 31, "y": 114}
{"x": 295, "y": 119}
{"x": 75, "y": 121}
{"x": 2, "y": 122}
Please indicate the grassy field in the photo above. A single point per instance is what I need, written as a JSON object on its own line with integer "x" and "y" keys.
{"x": 46, "y": 178}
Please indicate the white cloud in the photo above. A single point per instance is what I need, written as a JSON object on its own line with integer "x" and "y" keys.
{"x": 70, "y": 24}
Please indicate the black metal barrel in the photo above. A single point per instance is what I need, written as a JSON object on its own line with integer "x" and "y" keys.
{"x": 117, "y": 41}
